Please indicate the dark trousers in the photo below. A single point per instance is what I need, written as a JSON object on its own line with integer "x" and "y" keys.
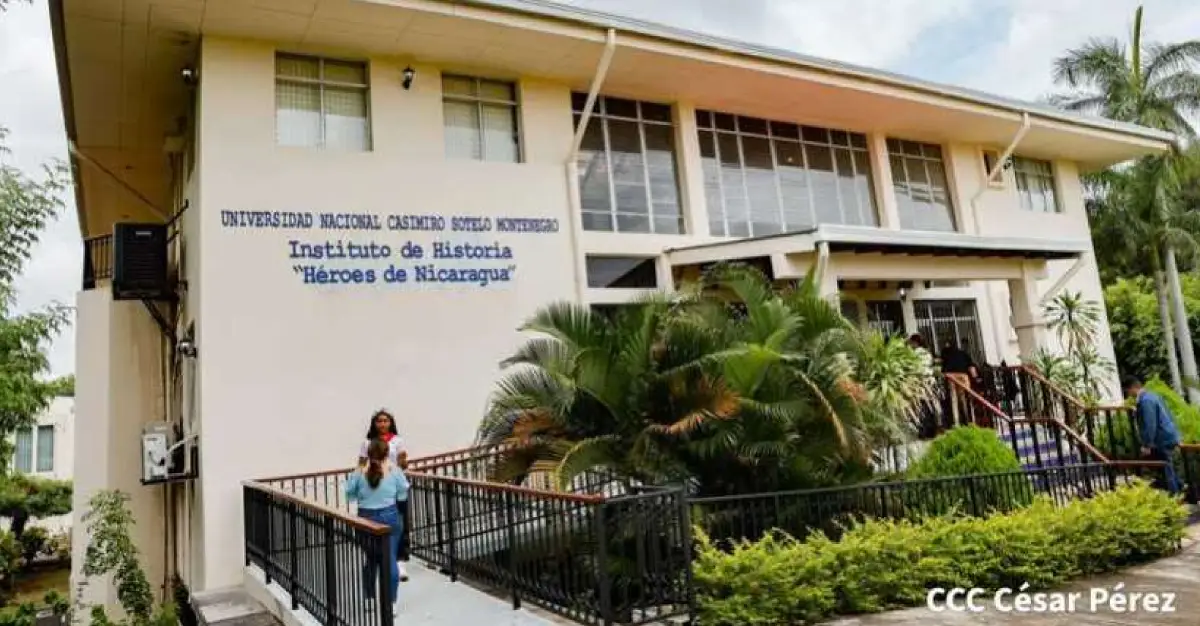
{"x": 1170, "y": 477}
{"x": 391, "y": 518}
{"x": 404, "y": 534}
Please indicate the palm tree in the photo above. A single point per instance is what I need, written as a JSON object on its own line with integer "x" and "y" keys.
{"x": 1154, "y": 85}
{"x": 729, "y": 384}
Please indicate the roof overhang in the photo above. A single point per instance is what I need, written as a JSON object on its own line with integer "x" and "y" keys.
{"x": 880, "y": 241}
{"x": 120, "y": 60}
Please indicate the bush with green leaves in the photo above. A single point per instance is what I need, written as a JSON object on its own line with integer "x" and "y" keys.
{"x": 879, "y": 565}
{"x": 112, "y": 553}
{"x": 1118, "y": 439}
{"x": 971, "y": 451}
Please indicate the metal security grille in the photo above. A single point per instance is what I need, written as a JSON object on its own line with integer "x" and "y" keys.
{"x": 885, "y": 316}
{"x": 950, "y": 321}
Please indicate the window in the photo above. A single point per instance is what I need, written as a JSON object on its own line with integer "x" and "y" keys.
{"x": 45, "y": 449}
{"x": 614, "y": 272}
{"x": 886, "y": 317}
{"x": 627, "y": 170}
{"x": 922, "y": 193}
{"x": 990, "y": 159}
{"x": 950, "y": 321}
{"x": 1035, "y": 185}
{"x": 23, "y": 459}
{"x": 763, "y": 178}
{"x": 480, "y": 119}
{"x": 321, "y": 103}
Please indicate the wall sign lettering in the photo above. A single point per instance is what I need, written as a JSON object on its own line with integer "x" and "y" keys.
{"x": 369, "y": 248}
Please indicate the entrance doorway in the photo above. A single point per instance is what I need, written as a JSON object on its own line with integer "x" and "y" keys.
{"x": 950, "y": 321}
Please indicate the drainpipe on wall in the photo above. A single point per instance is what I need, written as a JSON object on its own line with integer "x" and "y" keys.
{"x": 999, "y": 336}
{"x": 574, "y": 211}
{"x": 1064, "y": 279}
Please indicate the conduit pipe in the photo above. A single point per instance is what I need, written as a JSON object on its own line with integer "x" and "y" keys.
{"x": 575, "y": 210}
{"x": 999, "y": 337}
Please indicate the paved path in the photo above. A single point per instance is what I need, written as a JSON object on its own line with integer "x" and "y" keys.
{"x": 430, "y": 599}
{"x": 1179, "y": 574}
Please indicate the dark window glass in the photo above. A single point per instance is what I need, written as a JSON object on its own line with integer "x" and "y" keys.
{"x": 612, "y": 272}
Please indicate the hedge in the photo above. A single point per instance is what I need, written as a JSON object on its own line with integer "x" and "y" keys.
{"x": 880, "y": 565}
{"x": 972, "y": 451}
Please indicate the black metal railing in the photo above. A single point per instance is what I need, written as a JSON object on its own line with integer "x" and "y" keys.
{"x": 590, "y": 558}
{"x": 800, "y": 513}
{"x": 97, "y": 260}
{"x": 1188, "y": 465}
{"x": 329, "y": 563}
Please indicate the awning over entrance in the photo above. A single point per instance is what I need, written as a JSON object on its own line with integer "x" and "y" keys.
{"x": 881, "y": 254}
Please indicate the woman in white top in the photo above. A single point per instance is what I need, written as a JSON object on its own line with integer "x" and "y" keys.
{"x": 383, "y": 427}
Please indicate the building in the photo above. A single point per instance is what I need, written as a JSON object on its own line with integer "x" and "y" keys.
{"x": 367, "y": 197}
{"x": 46, "y": 450}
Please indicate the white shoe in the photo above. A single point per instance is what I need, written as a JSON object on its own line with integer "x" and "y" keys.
{"x": 403, "y": 573}
{"x": 396, "y": 609}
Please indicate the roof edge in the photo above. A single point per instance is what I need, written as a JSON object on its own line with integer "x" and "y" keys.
{"x": 600, "y": 19}
{"x": 58, "y": 34}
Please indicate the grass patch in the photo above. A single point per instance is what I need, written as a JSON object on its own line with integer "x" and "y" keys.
{"x": 32, "y": 586}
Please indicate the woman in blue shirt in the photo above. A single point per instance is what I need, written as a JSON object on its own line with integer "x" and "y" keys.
{"x": 377, "y": 488}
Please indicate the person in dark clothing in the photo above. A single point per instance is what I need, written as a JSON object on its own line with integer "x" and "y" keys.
{"x": 955, "y": 360}
{"x": 1159, "y": 435}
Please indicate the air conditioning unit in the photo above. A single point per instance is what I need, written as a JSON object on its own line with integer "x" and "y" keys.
{"x": 140, "y": 262}
{"x": 167, "y": 455}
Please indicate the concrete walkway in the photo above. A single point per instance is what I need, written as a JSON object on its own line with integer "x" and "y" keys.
{"x": 430, "y": 599}
{"x": 1177, "y": 575}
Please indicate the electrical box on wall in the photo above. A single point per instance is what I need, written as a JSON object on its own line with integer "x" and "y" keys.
{"x": 167, "y": 457}
{"x": 156, "y": 453}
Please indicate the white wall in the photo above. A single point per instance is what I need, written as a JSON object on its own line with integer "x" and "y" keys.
{"x": 118, "y": 388}
{"x": 290, "y": 373}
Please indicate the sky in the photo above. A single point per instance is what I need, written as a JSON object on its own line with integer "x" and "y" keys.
{"x": 1000, "y": 46}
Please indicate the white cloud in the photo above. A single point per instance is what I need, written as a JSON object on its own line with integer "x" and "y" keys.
{"x": 1001, "y": 46}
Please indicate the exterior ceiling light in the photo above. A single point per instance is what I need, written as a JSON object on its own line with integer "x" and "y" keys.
{"x": 409, "y": 75}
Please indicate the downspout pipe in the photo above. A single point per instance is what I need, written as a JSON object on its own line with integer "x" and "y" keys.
{"x": 1000, "y": 337}
{"x": 571, "y": 166}
{"x": 1063, "y": 280}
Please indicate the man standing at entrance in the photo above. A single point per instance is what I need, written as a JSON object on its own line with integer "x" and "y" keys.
{"x": 1160, "y": 437}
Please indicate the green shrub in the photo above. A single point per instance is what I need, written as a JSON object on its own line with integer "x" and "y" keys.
{"x": 971, "y": 451}
{"x": 1187, "y": 417}
{"x": 33, "y": 542}
{"x": 879, "y": 565}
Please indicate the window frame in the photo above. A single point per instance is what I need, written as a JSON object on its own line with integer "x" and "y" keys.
{"x": 1052, "y": 176}
{"x": 321, "y": 83}
{"x": 951, "y": 205}
{"x": 870, "y": 208}
{"x": 38, "y": 456}
{"x": 479, "y": 101}
{"x": 986, "y": 154}
{"x": 601, "y": 116}
{"x": 28, "y": 431}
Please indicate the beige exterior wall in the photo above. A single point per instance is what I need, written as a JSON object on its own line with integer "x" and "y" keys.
{"x": 288, "y": 373}
{"x": 118, "y": 366}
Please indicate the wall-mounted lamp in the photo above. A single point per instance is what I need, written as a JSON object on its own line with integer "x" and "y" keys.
{"x": 409, "y": 75}
{"x": 189, "y": 76}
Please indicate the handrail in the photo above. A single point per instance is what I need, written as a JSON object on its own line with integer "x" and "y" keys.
{"x": 358, "y": 522}
{"x": 1078, "y": 439}
{"x": 974, "y": 395}
{"x": 502, "y": 487}
{"x": 334, "y": 472}
{"x": 1029, "y": 369}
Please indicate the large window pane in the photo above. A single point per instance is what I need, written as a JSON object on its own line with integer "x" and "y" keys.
{"x": 1035, "y": 185}
{"x": 45, "y": 449}
{"x": 922, "y": 192}
{"x": 610, "y": 272}
{"x": 779, "y": 177}
{"x": 321, "y": 103}
{"x": 23, "y": 455}
{"x": 480, "y": 118}
{"x": 628, "y": 179}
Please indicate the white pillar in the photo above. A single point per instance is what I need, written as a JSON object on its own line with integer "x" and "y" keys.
{"x": 910, "y": 316}
{"x": 827, "y": 282}
{"x": 885, "y": 191}
{"x": 691, "y": 171}
{"x": 1026, "y": 316}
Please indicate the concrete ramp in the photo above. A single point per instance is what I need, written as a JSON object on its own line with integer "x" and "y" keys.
{"x": 428, "y": 599}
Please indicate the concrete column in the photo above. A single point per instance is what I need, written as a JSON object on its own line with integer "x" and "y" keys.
{"x": 827, "y": 282}
{"x": 885, "y": 193}
{"x": 1026, "y": 315}
{"x": 910, "y": 316}
{"x": 691, "y": 171}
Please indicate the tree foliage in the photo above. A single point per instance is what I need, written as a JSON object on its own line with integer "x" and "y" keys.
{"x": 729, "y": 384}
{"x": 26, "y": 206}
{"x": 1133, "y": 322}
{"x": 112, "y": 553}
